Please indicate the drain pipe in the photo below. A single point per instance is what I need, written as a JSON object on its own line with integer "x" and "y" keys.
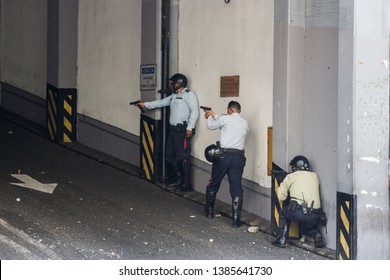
{"x": 165, "y": 91}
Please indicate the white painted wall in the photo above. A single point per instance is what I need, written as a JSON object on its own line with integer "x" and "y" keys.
{"x": 24, "y": 44}
{"x": 370, "y": 126}
{"x": 67, "y": 72}
{"x": 218, "y": 39}
{"x": 109, "y": 58}
{"x": 320, "y": 136}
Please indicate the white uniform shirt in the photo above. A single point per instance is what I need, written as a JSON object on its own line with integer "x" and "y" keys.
{"x": 233, "y": 130}
{"x": 184, "y": 107}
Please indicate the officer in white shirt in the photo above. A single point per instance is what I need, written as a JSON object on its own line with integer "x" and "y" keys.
{"x": 184, "y": 113}
{"x": 231, "y": 161}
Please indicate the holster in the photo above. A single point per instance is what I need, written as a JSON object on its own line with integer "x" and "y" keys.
{"x": 179, "y": 127}
{"x": 323, "y": 218}
{"x": 292, "y": 206}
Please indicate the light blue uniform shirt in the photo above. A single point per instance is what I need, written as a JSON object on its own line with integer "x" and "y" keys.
{"x": 233, "y": 130}
{"x": 184, "y": 107}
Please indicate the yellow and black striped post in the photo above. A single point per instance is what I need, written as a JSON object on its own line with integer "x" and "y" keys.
{"x": 51, "y": 113}
{"x": 277, "y": 205}
{"x": 67, "y": 115}
{"x": 61, "y": 114}
{"x": 346, "y": 227}
{"x": 150, "y": 148}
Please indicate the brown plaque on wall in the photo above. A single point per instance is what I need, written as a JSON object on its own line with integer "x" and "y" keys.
{"x": 230, "y": 86}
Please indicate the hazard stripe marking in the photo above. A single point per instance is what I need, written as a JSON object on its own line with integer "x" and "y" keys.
{"x": 276, "y": 216}
{"x": 149, "y": 136}
{"x": 147, "y": 173}
{"x": 346, "y": 237}
{"x": 67, "y": 107}
{"x": 277, "y": 207}
{"x": 344, "y": 244}
{"x": 147, "y": 153}
{"x": 52, "y": 115}
{"x": 61, "y": 114}
{"x": 344, "y": 218}
{"x": 67, "y": 125}
{"x": 66, "y": 139}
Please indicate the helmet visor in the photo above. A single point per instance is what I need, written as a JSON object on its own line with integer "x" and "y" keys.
{"x": 174, "y": 85}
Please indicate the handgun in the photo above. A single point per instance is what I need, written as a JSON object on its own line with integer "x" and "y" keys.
{"x": 135, "y": 103}
{"x": 205, "y": 108}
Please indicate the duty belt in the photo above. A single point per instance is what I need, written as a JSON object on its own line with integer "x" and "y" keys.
{"x": 228, "y": 150}
{"x": 180, "y": 125}
{"x": 314, "y": 211}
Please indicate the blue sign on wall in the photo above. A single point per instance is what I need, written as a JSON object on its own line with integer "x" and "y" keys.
{"x": 148, "y": 77}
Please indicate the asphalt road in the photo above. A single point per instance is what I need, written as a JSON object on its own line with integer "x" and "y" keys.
{"x": 97, "y": 212}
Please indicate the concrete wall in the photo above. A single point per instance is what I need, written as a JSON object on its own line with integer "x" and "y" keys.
{"x": 68, "y": 31}
{"x": 109, "y": 57}
{"x": 62, "y": 43}
{"x": 306, "y": 92}
{"x": 364, "y": 92}
{"x": 321, "y": 98}
{"x": 23, "y": 57}
{"x": 218, "y": 39}
{"x": 23, "y": 45}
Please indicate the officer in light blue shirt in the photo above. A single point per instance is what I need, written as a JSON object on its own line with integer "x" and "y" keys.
{"x": 232, "y": 160}
{"x": 184, "y": 113}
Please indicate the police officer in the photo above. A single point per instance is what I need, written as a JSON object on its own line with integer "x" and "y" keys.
{"x": 231, "y": 160}
{"x": 184, "y": 113}
{"x": 303, "y": 187}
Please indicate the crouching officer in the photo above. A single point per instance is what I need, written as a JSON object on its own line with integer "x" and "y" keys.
{"x": 184, "y": 113}
{"x": 303, "y": 187}
{"x": 231, "y": 160}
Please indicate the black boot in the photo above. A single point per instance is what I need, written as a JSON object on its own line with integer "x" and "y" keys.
{"x": 210, "y": 202}
{"x": 282, "y": 237}
{"x": 318, "y": 243}
{"x": 236, "y": 211}
{"x": 176, "y": 183}
{"x": 316, "y": 236}
{"x": 185, "y": 171}
{"x": 177, "y": 178}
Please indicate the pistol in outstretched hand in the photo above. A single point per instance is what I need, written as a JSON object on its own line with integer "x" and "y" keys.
{"x": 135, "y": 103}
{"x": 205, "y": 108}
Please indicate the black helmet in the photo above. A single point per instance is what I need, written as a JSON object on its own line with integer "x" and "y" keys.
{"x": 300, "y": 163}
{"x": 179, "y": 78}
{"x": 212, "y": 153}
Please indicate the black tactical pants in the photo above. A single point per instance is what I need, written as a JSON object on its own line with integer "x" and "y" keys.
{"x": 178, "y": 153}
{"x": 307, "y": 223}
{"x": 231, "y": 164}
